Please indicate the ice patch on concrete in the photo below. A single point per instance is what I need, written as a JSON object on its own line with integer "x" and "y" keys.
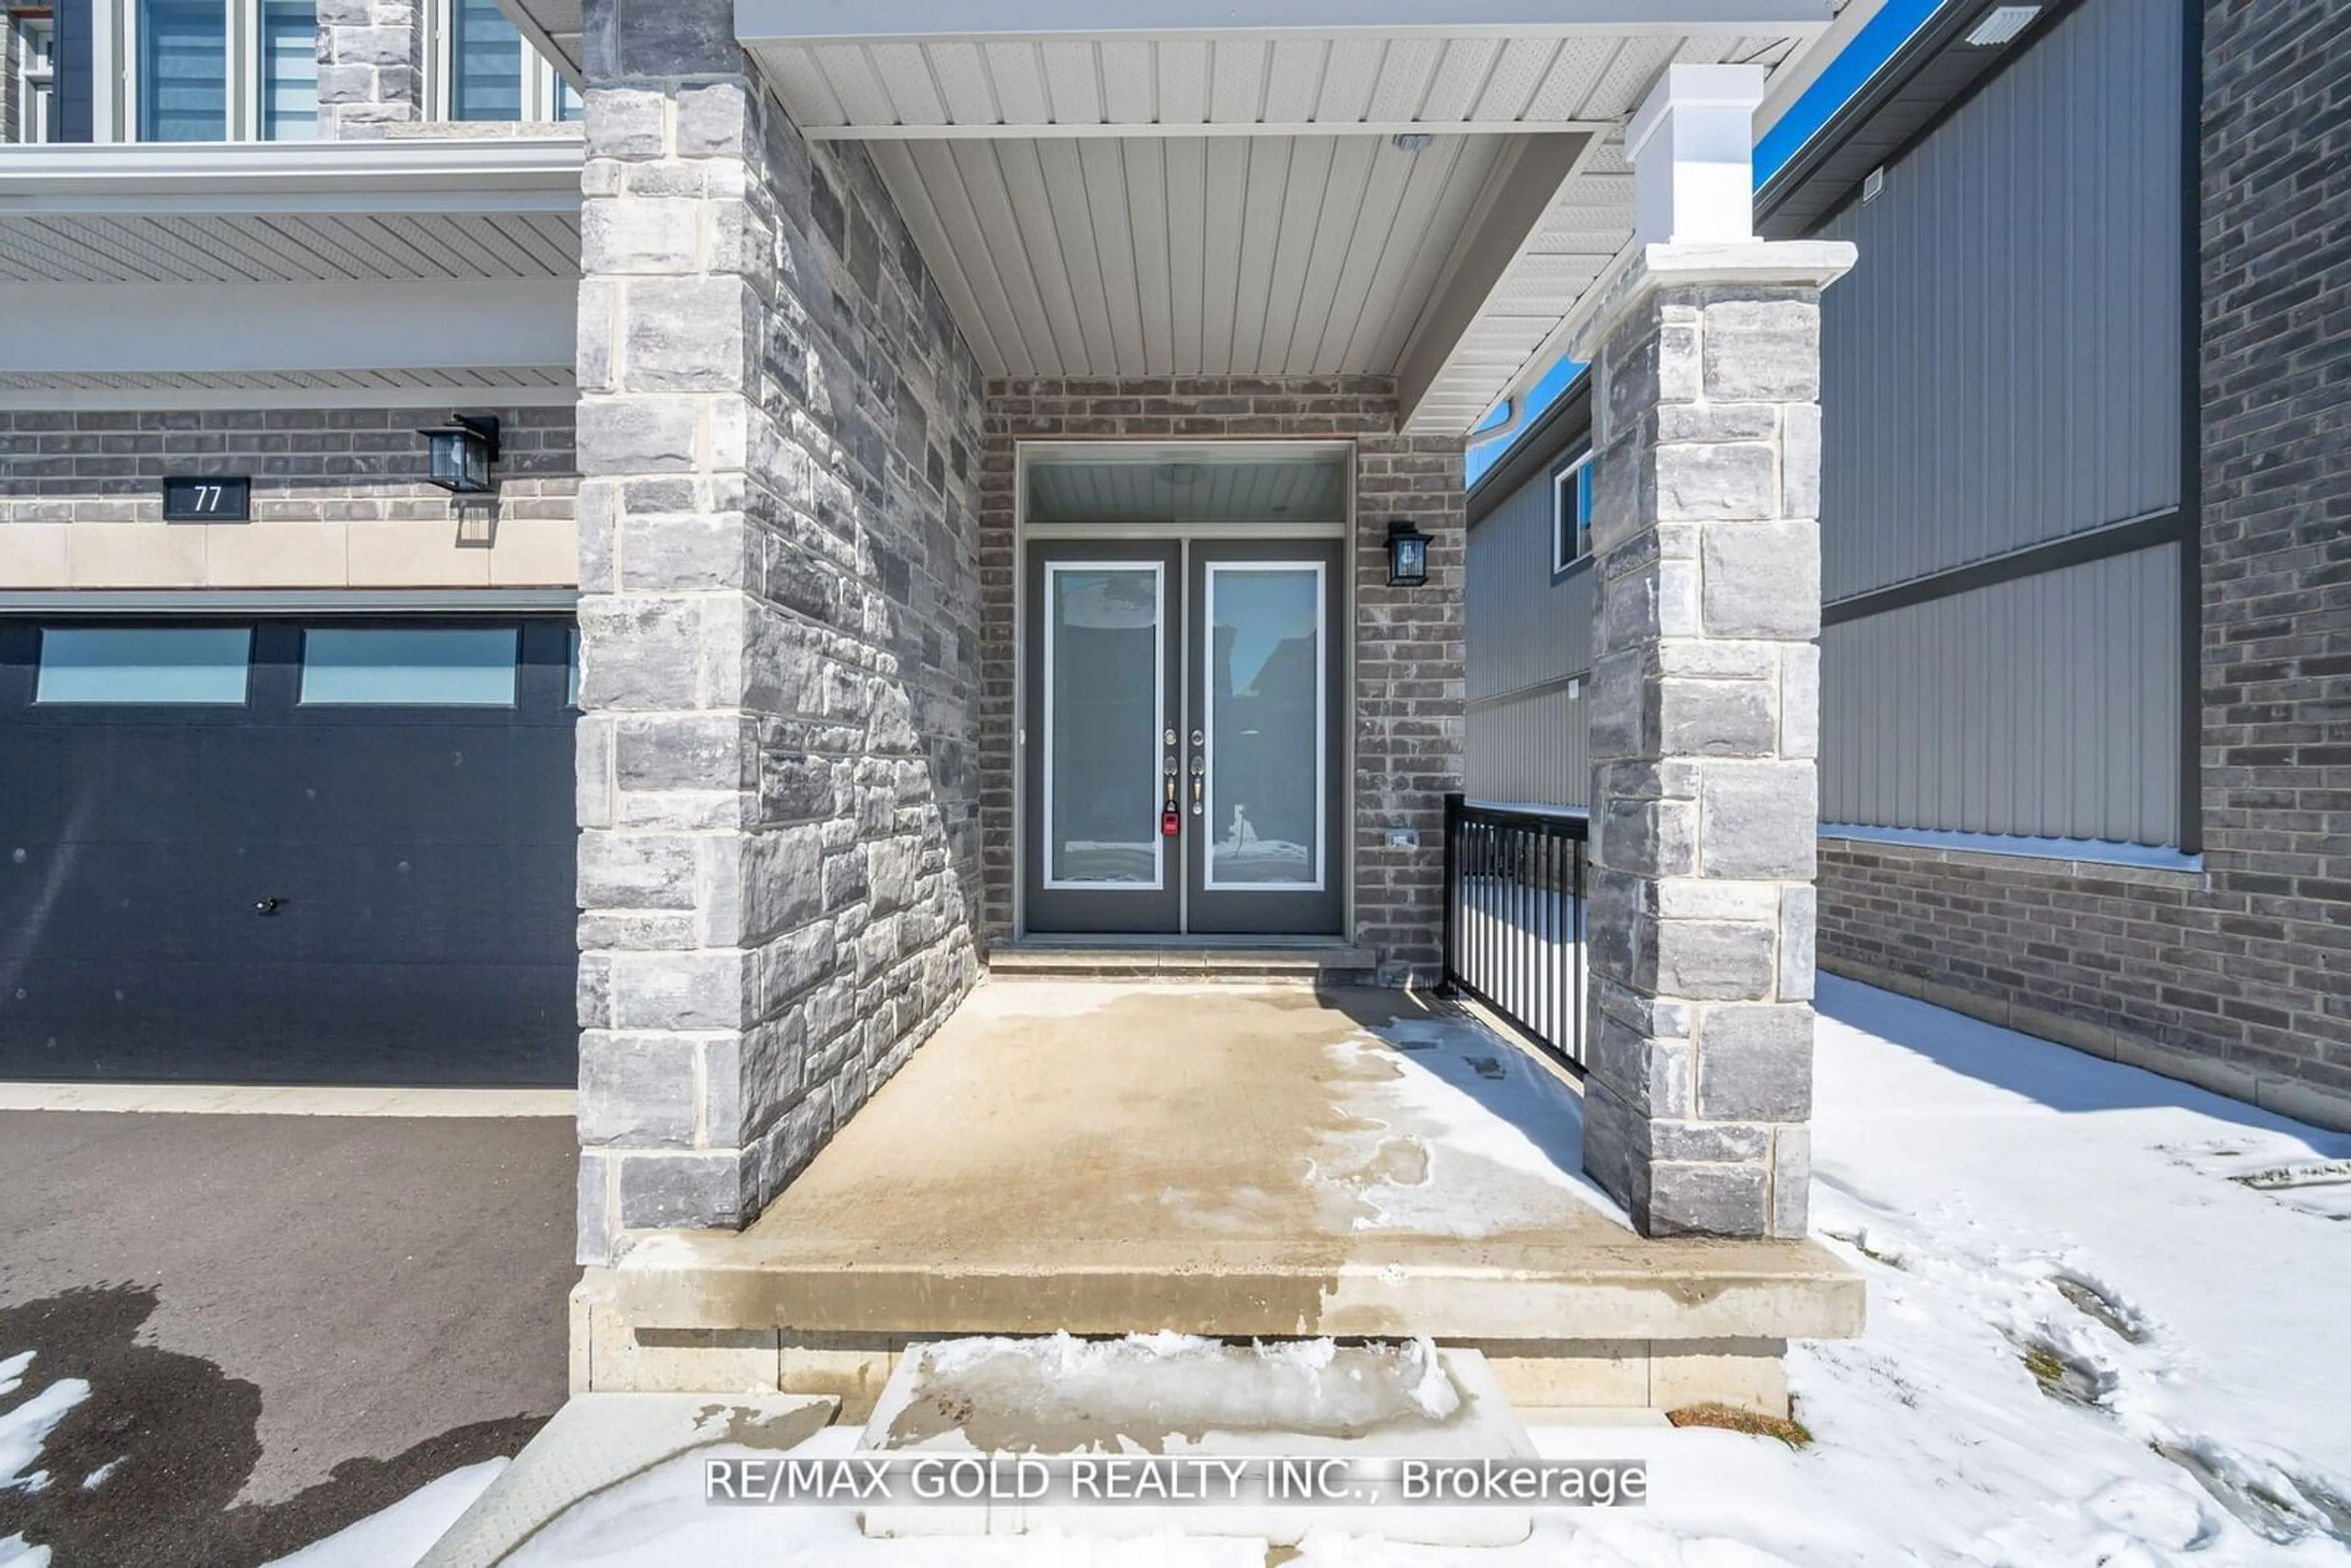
{"x": 1453, "y": 1132}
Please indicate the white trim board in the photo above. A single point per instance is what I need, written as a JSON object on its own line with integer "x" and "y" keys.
{"x": 263, "y": 1099}
{"x": 2089, "y": 851}
{"x": 762, "y": 21}
{"x": 502, "y": 173}
{"x": 279, "y": 393}
{"x": 1163, "y": 130}
{"x": 57, "y": 602}
{"x": 263, "y": 329}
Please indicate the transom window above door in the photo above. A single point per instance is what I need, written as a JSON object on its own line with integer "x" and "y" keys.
{"x": 1222, "y": 483}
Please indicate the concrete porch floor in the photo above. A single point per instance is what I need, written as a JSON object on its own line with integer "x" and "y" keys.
{"x": 1105, "y": 1158}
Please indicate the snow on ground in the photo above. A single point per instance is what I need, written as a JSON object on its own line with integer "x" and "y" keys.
{"x": 399, "y": 1536}
{"x": 24, "y": 1426}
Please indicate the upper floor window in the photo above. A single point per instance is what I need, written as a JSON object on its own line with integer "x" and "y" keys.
{"x": 485, "y": 62}
{"x": 491, "y": 74}
{"x": 218, "y": 70}
{"x": 289, "y": 70}
{"x": 33, "y": 56}
{"x": 1570, "y": 515}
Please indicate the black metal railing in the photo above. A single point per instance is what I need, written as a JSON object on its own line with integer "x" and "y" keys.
{"x": 1514, "y": 915}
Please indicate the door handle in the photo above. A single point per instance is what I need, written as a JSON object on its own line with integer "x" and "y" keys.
{"x": 268, "y": 906}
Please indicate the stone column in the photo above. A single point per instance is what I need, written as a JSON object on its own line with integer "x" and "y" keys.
{"x": 1703, "y": 728}
{"x": 775, "y": 617}
{"x": 370, "y": 66}
{"x": 690, "y": 863}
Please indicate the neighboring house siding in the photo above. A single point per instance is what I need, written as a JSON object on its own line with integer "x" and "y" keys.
{"x": 1530, "y": 658}
{"x": 337, "y": 502}
{"x": 2047, "y": 706}
{"x": 2238, "y": 976}
{"x": 2002, "y": 366}
{"x": 2003, "y": 369}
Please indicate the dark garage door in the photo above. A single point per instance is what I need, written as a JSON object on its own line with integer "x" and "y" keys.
{"x": 289, "y": 851}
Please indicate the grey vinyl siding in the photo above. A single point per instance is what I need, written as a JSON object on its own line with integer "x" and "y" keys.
{"x": 2046, "y": 706}
{"x": 2002, "y": 366}
{"x": 1530, "y": 633}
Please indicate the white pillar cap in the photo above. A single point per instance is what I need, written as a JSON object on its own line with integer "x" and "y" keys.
{"x": 1693, "y": 150}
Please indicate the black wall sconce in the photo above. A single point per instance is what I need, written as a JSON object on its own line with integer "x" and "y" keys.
{"x": 1407, "y": 555}
{"x": 461, "y": 452}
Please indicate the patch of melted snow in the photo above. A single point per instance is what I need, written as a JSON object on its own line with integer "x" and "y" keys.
{"x": 1454, "y": 1133}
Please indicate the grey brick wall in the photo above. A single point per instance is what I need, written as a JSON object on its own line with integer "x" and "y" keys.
{"x": 1408, "y": 642}
{"x": 2241, "y": 977}
{"x": 339, "y": 499}
{"x": 779, "y": 602}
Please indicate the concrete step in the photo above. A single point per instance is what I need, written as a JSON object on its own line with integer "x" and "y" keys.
{"x": 1277, "y": 963}
{"x": 1060, "y": 1399}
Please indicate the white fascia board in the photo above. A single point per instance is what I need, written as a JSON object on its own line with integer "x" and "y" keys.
{"x": 263, "y": 392}
{"x": 424, "y": 174}
{"x": 808, "y": 21}
{"x": 247, "y": 327}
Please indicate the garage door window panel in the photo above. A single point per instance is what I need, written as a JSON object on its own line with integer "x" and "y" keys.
{"x": 154, "y": 666}
{"x": 422, "y": 667}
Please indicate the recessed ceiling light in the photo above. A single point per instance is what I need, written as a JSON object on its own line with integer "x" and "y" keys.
{"x": 2001, "y": 25}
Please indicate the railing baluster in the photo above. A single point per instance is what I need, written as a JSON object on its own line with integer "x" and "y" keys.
{"x": 1513, "y": 938}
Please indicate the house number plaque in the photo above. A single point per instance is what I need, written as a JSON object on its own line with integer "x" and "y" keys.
{"x": 210, "y": 499}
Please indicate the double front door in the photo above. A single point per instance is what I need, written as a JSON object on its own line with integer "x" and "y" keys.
{"x": 1183, "y": 736}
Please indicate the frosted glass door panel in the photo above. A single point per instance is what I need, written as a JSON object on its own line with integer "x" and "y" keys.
{"x": 1264, "y": 757}
{"x": 1106, "y": 641}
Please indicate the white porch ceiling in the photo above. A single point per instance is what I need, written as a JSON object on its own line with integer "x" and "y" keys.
{"x": 1118, "y": 203}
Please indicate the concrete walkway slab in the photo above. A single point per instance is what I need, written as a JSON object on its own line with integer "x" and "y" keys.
{"x": 1108, "y": 1158}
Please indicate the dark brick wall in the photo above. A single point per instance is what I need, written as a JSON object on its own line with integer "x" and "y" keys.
{"x": 1408, "y": 642}
{"x": 2241, "y": 977}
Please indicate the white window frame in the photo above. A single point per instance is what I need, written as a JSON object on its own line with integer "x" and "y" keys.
{"x": 541, "y": 78}
{"x": 242, "y": 122}
{"x": 1568, "y": 543}
{"x": 36, "y": 84}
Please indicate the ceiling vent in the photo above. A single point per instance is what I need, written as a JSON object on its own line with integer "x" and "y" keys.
{"x": 2001, "y": 25}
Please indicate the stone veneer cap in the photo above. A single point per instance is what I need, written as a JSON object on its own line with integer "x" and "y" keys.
{"x": 1761, "y": 263}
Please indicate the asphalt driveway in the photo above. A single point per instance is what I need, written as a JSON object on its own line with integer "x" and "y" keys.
{"x": 287, "y": 1321}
